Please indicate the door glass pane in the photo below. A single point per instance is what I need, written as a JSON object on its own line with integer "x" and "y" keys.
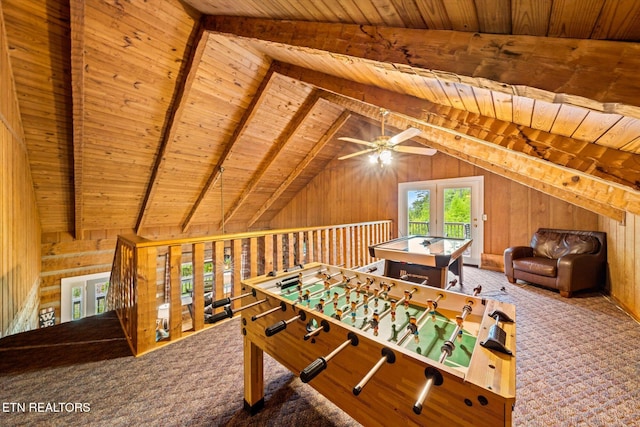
{"x": 457, "y": 212}
{"x": 419, "y": 212}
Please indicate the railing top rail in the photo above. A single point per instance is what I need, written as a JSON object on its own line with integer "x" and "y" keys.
{"x": 141, "y": 242}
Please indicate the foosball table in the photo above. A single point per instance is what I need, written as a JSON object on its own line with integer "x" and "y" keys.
{"x": 384, "y": 350}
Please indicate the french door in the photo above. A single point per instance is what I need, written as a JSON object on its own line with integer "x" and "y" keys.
{"x": 445, "y": 207}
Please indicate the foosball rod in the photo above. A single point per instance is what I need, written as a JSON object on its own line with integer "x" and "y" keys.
{"x": 447, "y": 349}
{"x": 226, "y": 301}
{"x": 434, "y": 377}
{"x": 342, "y": 282}
{"x": 228, "y": 312}
{"x": 324, "y": 326}
{"x": 287, "y": 282}
{"x": 303, "y": 285}
{"x": 320, "y": 364}
{"x": 387, "y": 356}
{"x": 420, "y": 320}
{"x": 293, "y": 280}
{"x": 282, "y": 306}
{"x": 449, "y": 346}
{"x": 362, "y": 303}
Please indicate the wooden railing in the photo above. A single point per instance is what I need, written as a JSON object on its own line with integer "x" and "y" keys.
{"x": 159, "y": 288}
{"x": 457, "y": 230}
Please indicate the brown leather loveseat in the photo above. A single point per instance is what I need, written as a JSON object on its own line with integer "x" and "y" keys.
{"x": 565, "y": 260}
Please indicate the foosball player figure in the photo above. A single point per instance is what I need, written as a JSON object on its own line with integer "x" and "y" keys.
{"x": 393, "y": 310}
{"x": 335, "y": 300}
{"x": 459, "y": 321}
{"x": 385, "y": 290}
{"x": 376, "y": 293}
{"x": 375, "y": 322}
{"x": 365, "y": 299}
{"x": 354, "y": 307}
{"x": 413, "y": 327}
{"x": 338, "y": 314}
{"x": 358, "y": 288}
{"x": 407, "y": 297}
{"x": 327, "y": 287}
{"x": 347, "y": 295}
{"x": 432, "y": 309}
{"x": 320, "y": 305}
{"x": 307, "y": 297}
{"x": 370, "y": 282}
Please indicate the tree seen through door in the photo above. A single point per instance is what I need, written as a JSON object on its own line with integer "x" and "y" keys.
{"x": 456, "y": 212}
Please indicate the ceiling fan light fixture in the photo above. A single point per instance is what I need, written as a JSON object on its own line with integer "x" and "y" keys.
{"x": 385, "y": 157}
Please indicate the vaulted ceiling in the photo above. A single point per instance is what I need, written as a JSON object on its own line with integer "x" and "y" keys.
{"x": 170, "y": 117}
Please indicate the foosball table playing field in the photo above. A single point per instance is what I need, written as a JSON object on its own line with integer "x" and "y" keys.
{"x": 384, "y": 350}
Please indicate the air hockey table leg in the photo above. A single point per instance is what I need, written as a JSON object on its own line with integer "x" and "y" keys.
{"x": 456, "y": 268}
{"x": 253, "y": 377}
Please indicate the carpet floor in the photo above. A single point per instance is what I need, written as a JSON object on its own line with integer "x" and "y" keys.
{"x": 578, "y": 364}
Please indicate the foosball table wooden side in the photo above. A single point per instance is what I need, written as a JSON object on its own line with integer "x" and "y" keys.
{"x": 388, "y": 398}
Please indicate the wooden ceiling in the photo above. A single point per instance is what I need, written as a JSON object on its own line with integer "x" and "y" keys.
{"x": 170, "y": 118}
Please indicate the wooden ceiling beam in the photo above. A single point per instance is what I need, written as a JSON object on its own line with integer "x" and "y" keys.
{"x": 599, "y": 70}
{"x": 172, "y": 123}
{"x": 217, "y": 171}
{"x": 466, "y": 139}
{"x": 335, "y": 127}
{"x": 275, "y": 150}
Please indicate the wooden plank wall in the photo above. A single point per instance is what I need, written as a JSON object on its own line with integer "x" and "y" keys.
{"x": 62, "y": 256}
{"x": 19, "y": 220}
{"x": 354, "y": 190}
{"x": 623, "y": 245}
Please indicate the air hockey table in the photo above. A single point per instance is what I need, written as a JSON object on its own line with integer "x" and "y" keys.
{"x": 417, "y": 258}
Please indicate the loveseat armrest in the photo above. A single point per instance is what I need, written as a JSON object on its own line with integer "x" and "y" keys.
{"x": 514, "y": 252}
{"x": 580, "y": 271}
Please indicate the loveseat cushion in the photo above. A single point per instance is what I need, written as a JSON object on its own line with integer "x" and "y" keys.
{"x": 537, "y": 265}
{"x": 553, "y": 245}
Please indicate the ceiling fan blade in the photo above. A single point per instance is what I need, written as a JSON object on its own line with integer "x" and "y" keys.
{"x": 404, "y": 135}
{"x": 415, "y": 150}
{"x": 357, "y": 153}
{"x": 357, "y": 141}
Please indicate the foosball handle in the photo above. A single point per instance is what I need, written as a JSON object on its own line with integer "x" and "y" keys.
{"x": 311, "y": 371}
{"x": 289, "y": 284}
{"x": 501, "y": 316}
{"x": 496, "y": 340}
{"x": 221, "y": 302}
{"x": 227, "y": 313}
{"x": 275, "y": 328}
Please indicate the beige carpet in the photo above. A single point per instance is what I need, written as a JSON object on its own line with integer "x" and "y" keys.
{"x": 578, "y": 364}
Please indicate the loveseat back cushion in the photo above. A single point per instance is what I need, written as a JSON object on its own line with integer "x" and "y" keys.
{"x": 553, "y": 245}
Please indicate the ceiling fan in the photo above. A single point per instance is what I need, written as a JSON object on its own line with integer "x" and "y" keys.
{"x": 383, "y": 146}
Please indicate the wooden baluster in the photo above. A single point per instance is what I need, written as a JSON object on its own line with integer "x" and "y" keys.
{"x": 325, "y": 245}
{"x": 253, "y": 256}
{"x": 269, "y": 264}
{"x": 175, "y": 292}
{"x": 143, "y": 331}
{"x": 318, "y": 248}
{"x": 236, "y": 272}
{"x": 300, "y": 259}
{"x": 291, "y": 255}
{"x": 278, "y": 260}
{"x": 311, "y": 252}
{"x": 218, "y": 272}
{"x": 197, "y": 304}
